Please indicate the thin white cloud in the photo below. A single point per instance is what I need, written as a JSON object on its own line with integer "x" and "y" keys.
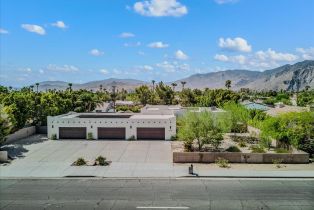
{"x": 28, "y": 70}
{"x": 3, "y": 31}
{"x": 275, "y": 56}
{"x": 41, "y": 71}
{"x": 34, "y": 29}
{"x": 96, "y": 52}
{"x": 259, "y": 60}
{"x": 158, "y": 45}
{"x": 126, "y": 35}
{"x": 221, "y": 57}
{"x": 306, "y": 53}
{"x": 104, "y": 71}
{"x": 64, "y": 68}
{"x": 160, "y": 8}
{"x": 180, "y": 55}
{"x": 225, "y": 1}
{"x": 135, "y": 44}
{"x": 145, "y": 68}
{"x": 59, "y": 24}
{"x": 171, "y": 67}
{"x": 236, "y": 44}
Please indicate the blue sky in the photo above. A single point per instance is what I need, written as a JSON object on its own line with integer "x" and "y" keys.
{"x": 80, "y": 41}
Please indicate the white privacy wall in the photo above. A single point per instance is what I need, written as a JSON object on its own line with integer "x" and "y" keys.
{"x": 131, "y": 125}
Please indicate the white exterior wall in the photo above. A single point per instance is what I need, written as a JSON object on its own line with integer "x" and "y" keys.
{"x": 92, "y": 124}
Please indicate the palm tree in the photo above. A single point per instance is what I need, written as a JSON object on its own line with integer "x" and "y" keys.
{"x": 100, "y": 87}
{"x": 70, "y": 86}
{"x": 307, "y": 88}
{"x": 183, "y": 84}
{"x": 114, "y": 97}
{"x": 228, "y": 84}
{"x": 153, "y": 81}
{"x": 31, "y": 87}
{"x": 173, "y": 85}
{"x": 37, "y": 84}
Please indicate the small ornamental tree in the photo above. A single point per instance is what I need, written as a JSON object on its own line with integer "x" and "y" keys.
{"x": 5, "y": 124}
{"x": 203, "y": 127}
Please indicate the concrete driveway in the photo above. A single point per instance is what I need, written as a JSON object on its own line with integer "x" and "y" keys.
{"x": 38, "y": 157}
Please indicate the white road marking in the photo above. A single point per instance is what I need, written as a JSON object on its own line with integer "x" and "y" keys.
{"x": 162, "y": 207}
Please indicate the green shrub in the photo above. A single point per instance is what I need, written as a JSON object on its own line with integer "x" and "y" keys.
{"x": 100, "y": 160}
{"x": 222, "y": 163}
{"x": 257, "y": 149}
{"x": 132, "y": 138}
{"x": 233, "y": 149}
{"x": 90, "y": 136}
{"x": 80, "y": 162}
{"x": 242, "y": 144}
{"x": 53, "y": 136}
{"x": 174, "y": 138}
{"x": 188, "y": 146}
{"x": 307, "y": 146}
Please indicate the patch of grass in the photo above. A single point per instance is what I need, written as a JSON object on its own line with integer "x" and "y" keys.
{"x": 257, "y": 149}
{"x": 222, "y": 163}
{"x": 80, "y": 162}
{"x": 282, "y": 150}
{"x": 233, "y": 149}
{"x": 278, "y": 162}
{"x": 100, "y": 160}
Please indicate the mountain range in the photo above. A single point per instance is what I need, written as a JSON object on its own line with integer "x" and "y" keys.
{"x": 288, "y": 77}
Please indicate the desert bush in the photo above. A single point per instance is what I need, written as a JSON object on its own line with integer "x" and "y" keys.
{"x": 90, "y": 136}
{"x": 222, "y": 163}
{"x": 100, "y": 160}
{"x": 53, "y": 136}
{"x": 233, "y": 149}
{"x": 132, "y": 138}
{"x": 80, "y": 162}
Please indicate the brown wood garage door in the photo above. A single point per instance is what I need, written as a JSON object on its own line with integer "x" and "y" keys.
{"x": 111, "y": 133}
{"x": 151, "y": 133}
{"x": 72, "y": 133}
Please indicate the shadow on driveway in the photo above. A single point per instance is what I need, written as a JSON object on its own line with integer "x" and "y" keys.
{"x": 17, "y": 149}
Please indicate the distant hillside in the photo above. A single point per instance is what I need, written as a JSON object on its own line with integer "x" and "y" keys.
{"x": 287, "y": 77}
{"x": 127, "y": 84}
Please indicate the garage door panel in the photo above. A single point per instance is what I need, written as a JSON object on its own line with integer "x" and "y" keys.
{"x": 111, "y": 133}
{"x": 151, "y": 133}
{"x": 72, "y": 133}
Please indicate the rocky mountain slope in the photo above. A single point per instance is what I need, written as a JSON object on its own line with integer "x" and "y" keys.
{"x": 288, "y": 77}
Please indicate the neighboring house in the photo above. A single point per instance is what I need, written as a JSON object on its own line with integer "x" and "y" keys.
{"x": 112, "y": 126}
{"x": 177, "y": 110}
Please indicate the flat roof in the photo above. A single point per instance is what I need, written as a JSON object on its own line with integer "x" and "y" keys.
{"x": 144, "y": 116}
{"x": 115, "y": 115}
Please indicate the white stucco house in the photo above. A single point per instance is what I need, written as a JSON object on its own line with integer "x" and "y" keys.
{"x": 140, "y": 126}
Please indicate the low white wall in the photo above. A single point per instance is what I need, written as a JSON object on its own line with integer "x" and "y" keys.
{"x": 20, "y": 134}
{"x": 92, "y": 124}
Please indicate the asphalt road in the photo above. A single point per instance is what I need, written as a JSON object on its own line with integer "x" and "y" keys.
{"x": 156, "y": 194}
